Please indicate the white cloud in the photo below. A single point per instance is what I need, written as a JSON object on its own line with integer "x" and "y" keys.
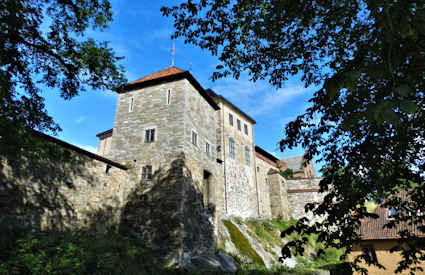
{"x": 259, "y": 98}
{"x": 278, "y": 98}
{"x": 87, "y": 147}
{"x": 81, "y": 119}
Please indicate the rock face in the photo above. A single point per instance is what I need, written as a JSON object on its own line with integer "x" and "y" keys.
{"x": 211, "y": 262}
{"x": 169, "y": 215}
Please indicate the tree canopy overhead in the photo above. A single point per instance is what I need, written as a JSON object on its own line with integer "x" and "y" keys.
{"x": 368, "y": 58}
{"x": 44, "y": 44}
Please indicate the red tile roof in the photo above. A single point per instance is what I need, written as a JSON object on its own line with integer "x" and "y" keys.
{"x": 163, "y": 73}
{"x": 168, "y": 75}
{"x": 373, "y": 229}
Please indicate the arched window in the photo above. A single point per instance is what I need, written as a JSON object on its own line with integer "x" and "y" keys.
{"x": 232, "y": 148}
{"x": 247, "y": 156}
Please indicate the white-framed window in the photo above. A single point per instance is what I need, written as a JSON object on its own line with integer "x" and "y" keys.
{"x": 131, "y": 104}
{"x": 207, "y": 148}
{"x": 232, "y": 148}
{"x": 230, "y": 119}
{"x": 168, "y": 97}
{"x": 239, "y": 124}
{"x": 194, "y": 138}
{"x": 245, "y": 128}
{"x": 147, "y": 172}
{"x": 247, "y": 156}
{"x": 150, "y": 135}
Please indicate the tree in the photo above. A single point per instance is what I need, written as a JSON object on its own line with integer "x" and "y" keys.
{"x": 367, "y": 118}
{"x": 43, "y": 44}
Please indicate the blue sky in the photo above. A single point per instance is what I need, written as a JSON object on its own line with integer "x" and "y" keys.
{"x": 142, "y": 35}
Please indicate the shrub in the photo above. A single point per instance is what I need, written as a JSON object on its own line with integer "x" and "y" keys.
{"x": 77, "y": 253}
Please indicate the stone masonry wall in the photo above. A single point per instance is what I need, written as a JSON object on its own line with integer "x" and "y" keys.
{"x": 150, "y": 110}
{"x": 240, "y": 190}
{"x": 263, "y": 183}
{"x": 200, "y": 117}
{"x": 301, "y": 192}
{"x": 79, "y": 192}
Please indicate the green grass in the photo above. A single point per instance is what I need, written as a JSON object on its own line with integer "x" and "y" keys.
{"x": 242, "y": 244}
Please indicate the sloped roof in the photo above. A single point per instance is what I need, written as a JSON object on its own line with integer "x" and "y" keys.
{"x": 163, "y": 73}
{"x": 105, "y": 133}
{"x": 372, "y": 229}
{"x": 167, "y": 75}
{"x": 79, "y": 150}
{"x": 296, "y": 164}
{"x": 216, "y": 96}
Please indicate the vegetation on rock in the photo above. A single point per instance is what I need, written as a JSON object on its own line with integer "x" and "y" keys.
{"x": 242, "y": 243}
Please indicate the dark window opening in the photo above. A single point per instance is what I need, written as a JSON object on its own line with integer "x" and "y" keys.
{"x": 150, "y": 135}
{"x": 194, "y": 138}
{"x": 207, "y": 191}
{"x": 231, "y": 119}
{"x": 239, "y": 124}
{"x": 147, "y": 172}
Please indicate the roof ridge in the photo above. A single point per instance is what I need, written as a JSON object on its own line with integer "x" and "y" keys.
{"x": 161, "y": 73}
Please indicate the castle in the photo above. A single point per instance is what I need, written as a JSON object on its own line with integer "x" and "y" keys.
{"x": 168, "y": 112}
{"x": 178, "y": 160}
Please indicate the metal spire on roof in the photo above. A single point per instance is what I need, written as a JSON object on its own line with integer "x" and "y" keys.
{"x": 173, "y": 52}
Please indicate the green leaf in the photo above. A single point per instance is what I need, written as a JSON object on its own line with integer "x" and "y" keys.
{"x": 402, "y": 90}
{"x": 408, "y": 107}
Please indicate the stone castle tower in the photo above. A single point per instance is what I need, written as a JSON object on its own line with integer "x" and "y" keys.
{"x": 167, "y": 115}
{"x": 178, "y": 160}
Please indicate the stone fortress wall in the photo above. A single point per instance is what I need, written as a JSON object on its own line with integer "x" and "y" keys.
{"x": 194, "y": 183}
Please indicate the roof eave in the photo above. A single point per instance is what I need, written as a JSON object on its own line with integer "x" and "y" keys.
{"x": 220, "y": 97}
{"x": 185, "y": 74}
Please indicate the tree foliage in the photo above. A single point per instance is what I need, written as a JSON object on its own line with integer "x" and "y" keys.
{"x": 43, "y": 44}
{"x": 366, "y": 121}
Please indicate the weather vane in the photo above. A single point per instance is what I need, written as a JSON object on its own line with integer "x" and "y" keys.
{"x": 173, "y": 52}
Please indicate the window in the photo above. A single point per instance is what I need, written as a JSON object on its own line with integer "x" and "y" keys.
{"x": 207, "y": 148}
{"x": 245, "y": 128}
{"x": 168, "y": 97}
{"x": 239, "y": 124}
{"x": 149, "y": 135}
{"x": 230, "y": 119}
{"x": 130, "y": 107}
{"x": 232, "y": 148}
{"x": 194, "y": 138}
{"x": 391, "y": 213}
{"x": 247, "y": 156}
{"x": 147, "y": 172}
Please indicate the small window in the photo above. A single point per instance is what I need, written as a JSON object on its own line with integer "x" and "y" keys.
{"x": 149, "y": 135}
{"x": 391, "y": 213}
{"x": 207, "y": 148}
{"x": 130, "y": 107}
{"x": 245, "y": 128}
{"x": 239, "y": 124}
{"x": 168, "y": 97}
{"x": 147, "y": 172}
{"x": 230, "y": 119}
{"x": 194, "y": 138}
{"x": 247, "y": 156}
{"x": 232, "y": 148}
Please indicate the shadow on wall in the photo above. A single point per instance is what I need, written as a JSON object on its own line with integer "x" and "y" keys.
{"x": 30, "y": 190}
{"x": 70, "y": 191}
{"x": 169, "y": 214}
